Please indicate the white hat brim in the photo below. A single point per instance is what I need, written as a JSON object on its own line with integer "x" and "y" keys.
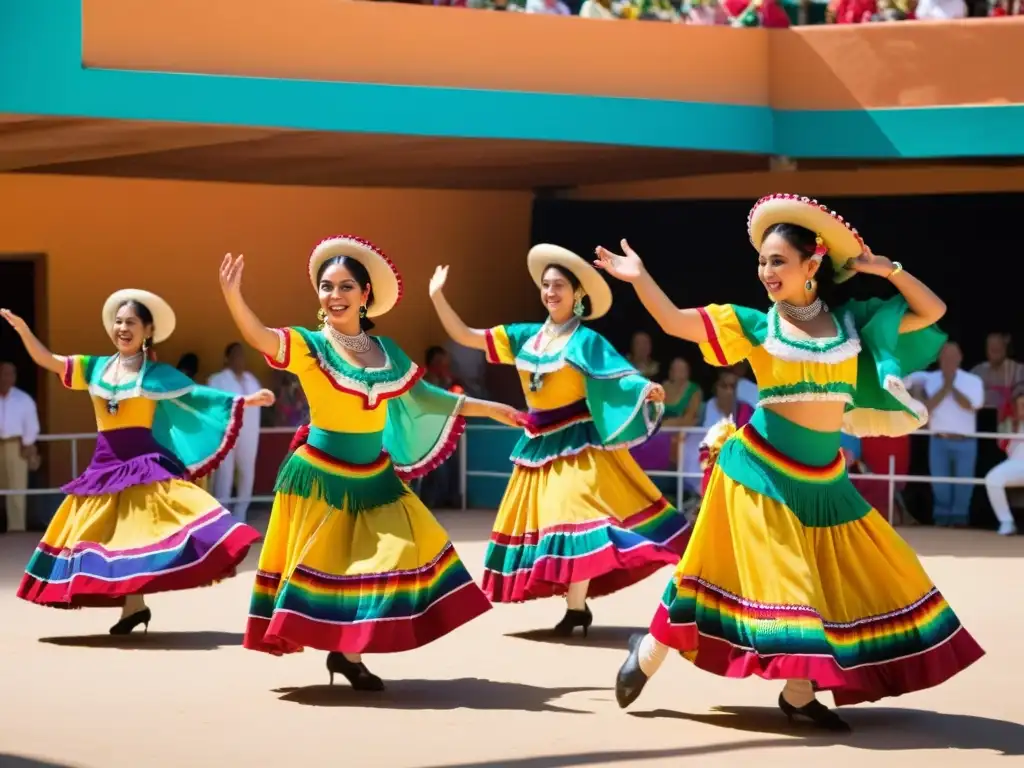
{"x": 164, "y": 320}
{"x": 843, "y": 241}
{"x": 596, "y": 287}
{"x": 384, "y": 276}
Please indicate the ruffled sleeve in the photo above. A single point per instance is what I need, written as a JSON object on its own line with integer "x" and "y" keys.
{"x": 423, "y": 424}
{"x": 616, "y": 393}
{"x": 197, "y": 424}
{"x": 293, "y": 354}
{"x": 505, "y": 341}
{"x": 882, "y": 406}
{"x": 78, "y": 371}
{"x": 732, "y": 331}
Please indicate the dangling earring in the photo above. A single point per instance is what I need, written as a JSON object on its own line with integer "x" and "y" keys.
{"x": 321, "y": 316}
{"x": 809, "y": 285}
{"x": 577, "y": 307}
{"x": 362, "y": 312}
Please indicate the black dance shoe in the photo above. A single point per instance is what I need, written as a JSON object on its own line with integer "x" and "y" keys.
{"x": 131, "y": 621}
{"x": 573, "y": 619}
{"x": 819, "y": 715}
{"x": 631, "y": 679}
{"x": 358, "y": 676}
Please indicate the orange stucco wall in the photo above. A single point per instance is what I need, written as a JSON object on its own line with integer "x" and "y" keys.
{"x": 821, "y": 67}
{"x": 169, "y": 237}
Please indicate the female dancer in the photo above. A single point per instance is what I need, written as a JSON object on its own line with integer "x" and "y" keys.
{"x": 353, "y": 562}
{"x": 790, "y": 573}
{"x": 578, "y": 516}
{"x": 133, "y": 523}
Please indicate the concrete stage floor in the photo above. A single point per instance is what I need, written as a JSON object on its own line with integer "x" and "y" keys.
{"x": 188, "y": 696}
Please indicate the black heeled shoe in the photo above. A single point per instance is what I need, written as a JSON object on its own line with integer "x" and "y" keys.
{"x": 131, "y": 621}
{"x": 573, "y": 619}
{"x": 358, "y": 676}
{"x": 819, "y": 715}
{"x": 631, "y": 679}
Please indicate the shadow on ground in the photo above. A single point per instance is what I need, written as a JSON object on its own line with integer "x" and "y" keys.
{"x": 464, "y": 693}
{"x": 875, "y": 728}
{"x": 151, "y": 641}
{"x": 20, "y": 761}
{"x": 598, "y": 637}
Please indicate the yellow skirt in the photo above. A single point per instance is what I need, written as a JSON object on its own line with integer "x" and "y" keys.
{"x": 591, "y": 515}
{"x": 161, "y": 536}
{"x": 380, "y": 579}
{"x": 791, "y": 574}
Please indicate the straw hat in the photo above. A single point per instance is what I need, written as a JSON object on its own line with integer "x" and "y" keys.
{"x": 843, "y": 241}
{"x": 163, "y": 316}
{"x": 544, "y": 255}
{"x": 384, "y": 277}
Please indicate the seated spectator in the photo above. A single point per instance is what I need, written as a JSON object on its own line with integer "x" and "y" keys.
{"x": 940, "y": 9}
{"x": 1011, "y": 472}
{"x": 756, "y": 13}
{"x": 640, "y": 352}
{"x": 851, "y": 11}
{"x": 550, "y": 7}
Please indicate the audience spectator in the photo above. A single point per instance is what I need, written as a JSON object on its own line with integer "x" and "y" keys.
{"x": 999, "y": 373}
{"x": 1009, "y": 473}
{"x": 19, "y": 429}
{"x": 189, "y": 365}
{"x": 953, "y": 397}
{"x": 291, "y": 408}
{"x": 940, "y": 9}
{"x": 238, "y": 470}
{"x": 640, "y": 350}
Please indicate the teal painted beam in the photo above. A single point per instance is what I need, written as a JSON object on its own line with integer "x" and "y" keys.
{"x": 41, "y": 73}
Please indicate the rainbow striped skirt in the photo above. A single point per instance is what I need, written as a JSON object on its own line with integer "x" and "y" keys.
{"x": 575, "y": 510}
{"x": 354, "y": 562}
{"x": 790, "y": 573}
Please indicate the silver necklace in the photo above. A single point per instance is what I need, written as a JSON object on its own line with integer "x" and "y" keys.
{"x": 549, "y": 331}
{"x": 122, "y": 363}
{"x": 359, "y": 344}
{"x": 803, "y": 314}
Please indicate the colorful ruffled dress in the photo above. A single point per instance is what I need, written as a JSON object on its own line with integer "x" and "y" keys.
{"x": 577, "y": 506}
{"x": 353, "y": 561}
{"x": 790, "y": 573}
{"x": 133, "y": 522}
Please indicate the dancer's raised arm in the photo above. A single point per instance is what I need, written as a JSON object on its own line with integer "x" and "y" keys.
{"x": 42, "y": 357}
{"x": 924, "y": 308}
{"x": 461, "y": 333}
{"x": 256, "y": 334}
{"x": 682, "y": 323}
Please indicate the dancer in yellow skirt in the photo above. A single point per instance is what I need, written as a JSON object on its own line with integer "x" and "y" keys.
{"x": 134, "y": 523}
{"x": 353, "y": 562}
{"x": 790, "y": 574}
{"x": 579, "y": 516}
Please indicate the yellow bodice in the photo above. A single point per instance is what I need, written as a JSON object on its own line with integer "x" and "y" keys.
{"x": 558, "y": 388}
{"x": 132, "y": 412}
{"x": 787, "y": 368}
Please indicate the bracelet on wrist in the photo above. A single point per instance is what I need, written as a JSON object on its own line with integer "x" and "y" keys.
{"x": 896, "y": 269}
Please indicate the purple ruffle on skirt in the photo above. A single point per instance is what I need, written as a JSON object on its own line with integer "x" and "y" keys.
{"x": 124, "y": 458}
{"x": 656, "y": 453}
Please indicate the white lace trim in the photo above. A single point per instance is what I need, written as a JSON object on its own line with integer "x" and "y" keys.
{"x": 808, "y": 397}
{"x": 779, "y": 347}
{"x": 868, "y": 422}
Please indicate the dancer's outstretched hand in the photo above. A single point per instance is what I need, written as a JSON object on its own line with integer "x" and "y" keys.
{"x": 625, "y": 266}
{"x": 656, "y": 394}
{"x": 231, "y": 275}
{"x": 262, "y": 399}
{"x": 438, "y": 280}
{"x": 16, "y": 322}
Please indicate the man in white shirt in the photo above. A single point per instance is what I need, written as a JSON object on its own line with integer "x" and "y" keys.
{"x": 953, "y": 397}
{"x": 19, "y": 429}
{"x": 238, "y": 470}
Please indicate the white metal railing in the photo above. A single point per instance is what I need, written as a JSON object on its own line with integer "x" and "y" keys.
{"x": 891, "y": 477}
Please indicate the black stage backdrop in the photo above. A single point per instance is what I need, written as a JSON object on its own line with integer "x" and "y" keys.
{"x": 965, "y": 247}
